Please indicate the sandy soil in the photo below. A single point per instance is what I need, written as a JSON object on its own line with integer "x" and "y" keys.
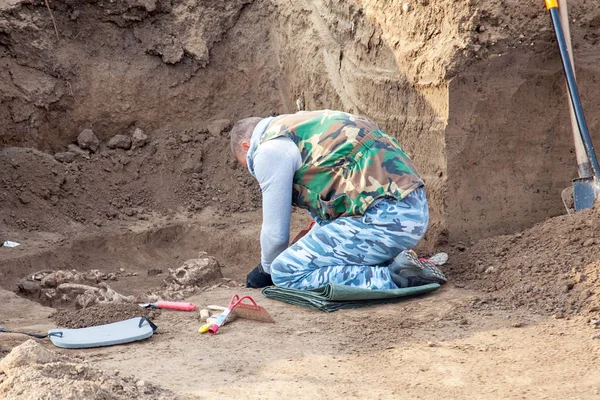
{"x": 468, "y": 340}
{"x": 436, "y": 346}
{"x": 458, "y": 83}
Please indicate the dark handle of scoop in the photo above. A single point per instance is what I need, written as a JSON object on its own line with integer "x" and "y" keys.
{"x": 552, "y": 6}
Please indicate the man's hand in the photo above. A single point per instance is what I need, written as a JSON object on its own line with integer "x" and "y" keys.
{"x": 258, "y": 278}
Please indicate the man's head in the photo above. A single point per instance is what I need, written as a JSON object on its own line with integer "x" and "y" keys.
{"x": 241, "y": 133}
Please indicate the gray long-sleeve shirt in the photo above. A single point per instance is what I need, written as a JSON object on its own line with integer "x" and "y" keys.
{"x": 273, "y": 164}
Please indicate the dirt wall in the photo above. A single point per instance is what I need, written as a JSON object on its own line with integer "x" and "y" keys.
{"x": 459, "y": 84}
{"x": 508, "y": 138}
{"x": 125, "y": 64}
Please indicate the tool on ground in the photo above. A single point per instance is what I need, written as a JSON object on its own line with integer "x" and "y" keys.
{"x": 252, "y": 311}
{"x": 243, "y": 310}
{"x": 171, "y": 305}
{"x": 126, "y": 331}
{"x": 35, "y": 335}
{"x": 585, "y": 188}
{"x": 211, "y": 313}
{"x": 204, "y": 314}
{"x": 583, "y": 164}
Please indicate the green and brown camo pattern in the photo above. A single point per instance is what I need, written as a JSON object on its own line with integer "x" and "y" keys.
{"x": 347, "y": 162}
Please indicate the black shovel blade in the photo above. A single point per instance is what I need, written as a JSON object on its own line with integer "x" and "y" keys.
{"x": 585, "y": 191}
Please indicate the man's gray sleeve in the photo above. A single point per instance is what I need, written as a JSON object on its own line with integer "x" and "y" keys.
{"x": 275, "y": 163}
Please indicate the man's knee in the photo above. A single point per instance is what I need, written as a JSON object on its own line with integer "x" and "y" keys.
{"x": 282, "y": 273}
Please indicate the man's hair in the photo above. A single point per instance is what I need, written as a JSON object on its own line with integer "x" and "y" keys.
{"x": 242, "y": 131}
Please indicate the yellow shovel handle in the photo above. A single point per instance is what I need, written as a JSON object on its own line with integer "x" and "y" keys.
{"x": 551, "y": 4}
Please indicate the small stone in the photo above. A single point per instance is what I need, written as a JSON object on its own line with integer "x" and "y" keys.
{"x": 518, "y": 325}
{"x": 490, "y": 270}
{"x": 583, "y": 296}
{"x": 405, "y": 7}
{"x": 29, "y": 287}
{"x": 559, "y": 315}
{"x": 65, "y": 157}
{"x": 121, "y": 269}
{"x": 192, "y": 167}
{"x": 432, "y": 344}
{"x": 476, "y": 48}
{"x": 139, "y": 139}
{"x": 186, "y": 138}
{"x": 140, "y": 383}
{"x": 204, "y": 314}
{"x": 120, "y": 142}
{"x": 216, "y": 127}
{"x": 154, "y": 271}
{"x": 130, "y": 212}
{"x": 88, "y": 140}
{"x": 461, "y": 247}
{"x": 24, "y": 199}
{"x": 589, "y": 242}
{"x": 78, "y": 151}
{"x": 569, "y": 286}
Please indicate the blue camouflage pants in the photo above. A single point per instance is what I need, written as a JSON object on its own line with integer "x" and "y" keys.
{"x": 354, "y": 251}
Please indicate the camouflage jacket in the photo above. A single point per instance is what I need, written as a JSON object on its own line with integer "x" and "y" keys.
{"x": 347, "y": 162}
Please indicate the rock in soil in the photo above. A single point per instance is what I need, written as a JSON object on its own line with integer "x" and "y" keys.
{"x": 65, "y": 157}
{"x": 78, "y": 151}
{"x": 120, "y": 142}
{"x": 197, "y": 271}
{"x": 216, "y": 127}
{"x": 88, "y": 140}
{"x": 138, "y": 139}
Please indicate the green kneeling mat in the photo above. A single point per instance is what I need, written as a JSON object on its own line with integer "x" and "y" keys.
{"x": 333, "y": 297}
{"x": 120, "y": 332}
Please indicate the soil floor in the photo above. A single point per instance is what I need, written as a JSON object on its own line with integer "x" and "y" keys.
{"x": 464, "y": 341}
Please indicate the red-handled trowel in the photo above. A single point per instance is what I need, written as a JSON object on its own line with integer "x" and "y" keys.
{"x": 171, "y": 305}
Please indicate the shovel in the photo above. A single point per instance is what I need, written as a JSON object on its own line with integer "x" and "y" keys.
{"x": 585, "y": 188}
